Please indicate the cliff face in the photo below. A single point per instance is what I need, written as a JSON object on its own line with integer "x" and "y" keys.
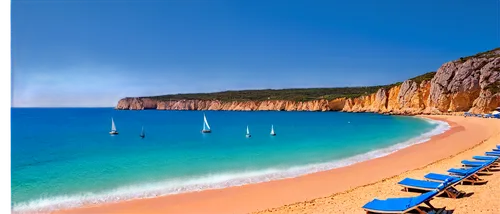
{"x": 471, "y": 84}
{"x": 272, "y": 105}
{"x": 407, "y": 98}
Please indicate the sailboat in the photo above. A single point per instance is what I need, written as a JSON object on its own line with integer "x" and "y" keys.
{"x": 142, "y": 133}
{"x": 272, "y": 131}
{"x": 248, "y": 133}
{"x": 113, "y": 128}
{"x": 206, "y": 127}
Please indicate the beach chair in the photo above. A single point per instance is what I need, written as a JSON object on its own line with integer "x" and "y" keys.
{"x": 468, "y": 176}
{"x": 472, "y": 179}
{"x": 496, "y": 154}
{"x": 486, "y": 166}
{"x": 477, "y": 157}
{"x": 464, "y": 171}
{"x": 404, "y": 204}
{"x": 490, "y": 164}
{"x": 458, "y": 171}
{"x": 448, "y": 183}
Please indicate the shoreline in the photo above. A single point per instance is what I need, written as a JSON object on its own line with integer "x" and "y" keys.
{"x": 478, "y": 199}
{"x": 117, "y": 196}
{"x": 281, "y": 192}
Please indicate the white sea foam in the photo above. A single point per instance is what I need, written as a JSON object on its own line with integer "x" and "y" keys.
{"x": 214, "y": 181}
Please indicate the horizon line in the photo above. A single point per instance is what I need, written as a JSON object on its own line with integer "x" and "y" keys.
{"x": 61, "y": 107}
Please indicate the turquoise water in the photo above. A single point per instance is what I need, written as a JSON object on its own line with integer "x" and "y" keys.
{"x": 65, "y": 157}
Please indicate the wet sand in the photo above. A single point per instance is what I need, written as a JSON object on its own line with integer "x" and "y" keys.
{"x": 346, "y": 189}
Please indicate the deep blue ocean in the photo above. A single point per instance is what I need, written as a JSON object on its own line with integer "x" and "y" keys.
{"x": 64, "y": 157}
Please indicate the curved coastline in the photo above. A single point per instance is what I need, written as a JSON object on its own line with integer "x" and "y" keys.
{"x": 138, "y": 193}
{"x": 213, "y": 182}
{"x": 463, "y": 134}
{"x": 217, "y": 181}
{"x": 471, "y": 136}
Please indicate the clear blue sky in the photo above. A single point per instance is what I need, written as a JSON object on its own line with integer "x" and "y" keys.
{"x": 92, "y": 53}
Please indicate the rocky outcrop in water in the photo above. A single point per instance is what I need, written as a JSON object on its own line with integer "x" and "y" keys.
{"x": 470, "y": 84}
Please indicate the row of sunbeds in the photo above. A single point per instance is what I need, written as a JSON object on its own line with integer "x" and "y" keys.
{"x": 437, "y": 184}
{"x": 467, "y": 114}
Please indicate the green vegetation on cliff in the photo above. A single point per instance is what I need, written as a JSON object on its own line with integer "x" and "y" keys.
{"x": 418, "y": 79}
{"x": 487, "y": 54}
{"x": 298, "y": 94}
{"x": 424, "y": 77}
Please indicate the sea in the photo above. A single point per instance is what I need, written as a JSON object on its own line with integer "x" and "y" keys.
{"x": 65, "y": 157}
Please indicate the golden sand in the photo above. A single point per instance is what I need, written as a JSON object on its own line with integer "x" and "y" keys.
{"x": 346, "y": 189}
{"x": 480, "y": 198}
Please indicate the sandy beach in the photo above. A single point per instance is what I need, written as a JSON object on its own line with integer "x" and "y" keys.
{"x": 346, "y": 189}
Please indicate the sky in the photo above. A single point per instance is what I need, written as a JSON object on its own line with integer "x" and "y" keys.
{"x": 92, "y": 53}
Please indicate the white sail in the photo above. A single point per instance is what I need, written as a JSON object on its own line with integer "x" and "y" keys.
{"x": 205, "y": 124}
{"x": 272, "y": 130}
{"x": 248, "y": 131}
{"x": 113, "y": 127}
{"x": 142, "y": 132}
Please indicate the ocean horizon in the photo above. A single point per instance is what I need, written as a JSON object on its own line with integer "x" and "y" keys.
{"x": 65, "y": 157}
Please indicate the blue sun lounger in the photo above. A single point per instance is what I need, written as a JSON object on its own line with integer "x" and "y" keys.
{"x": 472, "y": 179}
{"x": 460, "y": 171}
{"x": 468, "y": 176}
{"x": 402, "y": 205}
{"x": 487, "y": 166}
{"x": 485, "y": 158}
{"x": 448, "y": 183}
{"x": 487, "y": 163}
{"x": 464, "y": 171}
{"x": 492, "y": 153}
{"x": 438, "y": 177}
{"x": 475, "y": 163}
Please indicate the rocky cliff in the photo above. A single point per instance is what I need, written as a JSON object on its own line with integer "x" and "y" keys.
{"x": 272, "y": 105}
{"x": 468, "y": 84}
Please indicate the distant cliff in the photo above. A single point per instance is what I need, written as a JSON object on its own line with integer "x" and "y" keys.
{"x": 467, "y": 84}
{"x": 272, "y": 105}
